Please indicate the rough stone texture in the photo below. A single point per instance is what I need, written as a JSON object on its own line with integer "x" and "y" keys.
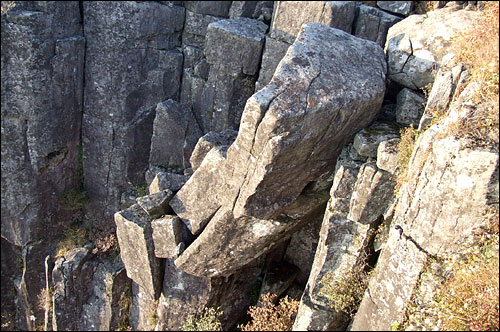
{"x": 135, "y": 237}
{"x": 418, "y": 44}
{"x": 260, "y": 10}
{"x": 42, "y": 50}
{"x": 397, "y": 7}
{"x": 86, "y": 292}
{"x": 274, "y": 51}
{"x": 196, "y": 207}
{"x": 337, "y": 236}
{"x": 246, "y": 37}
{"x": 167, "y": 181}
{"x": 409, "y": 107}
{"x": 372, "y": 193}
{"x": 207, "y": 142}
{"x": 448, "y": 81}
{"x": 373, "y": 24}
{"x": 387, "y": 155}
{"x": 156, "y": 203}
{"x": 175, "y": 133}
{"x": 274, "y": 155}
{"x": 216, "y": 8}
{"x": 167, "y": 235}
{"x": 442, "y": 172}
{"x": 131, "y": 65}
{"x": 184, "y": 295}
{"x": 143, "y": 309}
{"x": 300, "y": 251}
{"x": 367, "y": 140}
{"x": 288, "y": 17}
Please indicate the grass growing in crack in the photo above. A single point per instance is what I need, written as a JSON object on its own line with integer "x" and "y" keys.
{"x": 207, "y": 320}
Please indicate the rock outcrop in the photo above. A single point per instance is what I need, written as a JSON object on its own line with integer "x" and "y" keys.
{"x": 259, "y": 179}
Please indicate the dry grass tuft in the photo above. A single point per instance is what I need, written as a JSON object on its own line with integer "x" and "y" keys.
{"x": 271, "y": 317}
{"x": 405, "y": 149}
{"x": 75, "y": 236}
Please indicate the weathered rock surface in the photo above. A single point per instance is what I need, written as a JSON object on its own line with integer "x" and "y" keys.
{"x": 207, "y": 142}
{"x": 288, "y": 17}
{"x": 167, "y": 235}
{"x": 131, "y": 65}
{"x": 86, "y": 292}
{"x": 137, "y": 250}
{"x": 156, "y": 203}
{"x": 409, "y": 107}
{"x": 274, "y": 155}
{"x": 167, "y": 181}
{"x": 175, "y": 133}
{"x": 373, "y": 24}
{"x": 216, "y": 8}
{"x": 260, "y": 10}
{"x": 274, "y": 51}
{"x": 397, "y": 7}
{"x": 367, "y": 140}
{"x": 42, "y": 52}
{"x": 441, "y": 172}
{"x": 387, "y": 155}
{"x": 418, "y": 43}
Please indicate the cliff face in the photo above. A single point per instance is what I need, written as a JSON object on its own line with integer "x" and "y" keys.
{"x": 266, "y": 134}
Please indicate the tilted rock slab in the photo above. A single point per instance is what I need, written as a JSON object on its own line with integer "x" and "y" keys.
{"x": 418, "y": 43}
{"x": 329, "y": 86}
{"x": 135, "y": 237}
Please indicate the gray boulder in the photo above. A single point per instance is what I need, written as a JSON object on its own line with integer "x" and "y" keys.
{"x": 253, "y": 192}
{"x": 175, "y": 133}
{"x": 137, "y": 250}
{"x": 207, "y": 142}
{"x": 387, "y": 155}
{"x": 373, "y": 24}
{"x": 167, "y": 181}
{"x": 167, "y": 236}
{"x": 156, "y": 203}
{"x": 367, "y": 140}
{"x": 417, "y": 44}
{"x": 274, "y": 51}
{"x": 409, "y": 107}
{"x": 288, "y": 17}
{"x": 397, "y": 7}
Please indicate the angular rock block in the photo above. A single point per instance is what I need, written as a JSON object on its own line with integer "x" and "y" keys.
{"x": 274, "y": 51}
{"x": 387, "y": 155}
{"x": 167, "y": 235}
{"x": 207, "y": 142}
{"x": 156, "y": 203}
{"x": 167, "y": 181}
{"x": 291, "y": 133}
{"x": 373, "y": 24}
{"x": 289, "y": 16}
{"x": 409, "y": 107}
{"x": 417, "y": 44}
{"x": 135, "y": 237}
{"x": 372, "y": 194}
{"x": 367, "y": 140}
{"x": 397, "y": 7}
{"x": 175, "y": 133}
{"x": 246, "y": 37}
{"x": 216, "y": 8}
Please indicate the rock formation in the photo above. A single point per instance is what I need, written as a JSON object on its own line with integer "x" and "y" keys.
{"x": 234, "y": 148}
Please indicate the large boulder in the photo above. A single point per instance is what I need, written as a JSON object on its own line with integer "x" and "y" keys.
{"x": 291, "y": 133}
{"x": 417, "y": 44}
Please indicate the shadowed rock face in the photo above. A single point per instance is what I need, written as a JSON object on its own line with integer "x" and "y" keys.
{"x": 328, "y": 86}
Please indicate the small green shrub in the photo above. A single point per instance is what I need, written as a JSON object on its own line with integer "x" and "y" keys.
{"x": 271, "y": 317}
{"x": 207, "y": 320}
{"x": 142, "y": 190}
